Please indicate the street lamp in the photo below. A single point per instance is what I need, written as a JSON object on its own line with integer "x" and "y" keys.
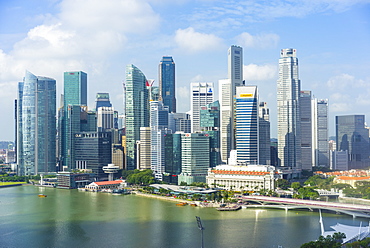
{"x": 201, "y": 228}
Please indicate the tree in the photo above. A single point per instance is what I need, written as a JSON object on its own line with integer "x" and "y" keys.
{"x": 281, "y": 183}
{"x": 296, "y": 185}
{"x": 334, "y": 241}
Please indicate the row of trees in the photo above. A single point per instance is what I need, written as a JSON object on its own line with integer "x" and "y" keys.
{"x": 138, "y": 177}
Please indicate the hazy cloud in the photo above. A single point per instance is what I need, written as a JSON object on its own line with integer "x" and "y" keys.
{"x": 260, "y": 41}
{"x": 190, "y": 40}
{"x": 253, "y": 72}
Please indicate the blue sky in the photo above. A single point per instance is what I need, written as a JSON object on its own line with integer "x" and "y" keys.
{"x": 48, "y": 37}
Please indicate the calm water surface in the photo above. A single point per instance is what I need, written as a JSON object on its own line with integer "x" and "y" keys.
{"x": 68, "y": 218}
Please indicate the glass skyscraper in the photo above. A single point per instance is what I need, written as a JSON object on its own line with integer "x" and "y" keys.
{"x": 167, "y": 83}
{"x": 75, "y": 88}
{"x": 247, "y": 135}
{"x": 306, "y": 129}
{"x": 137, "y": 111}
{"x": 288, "y": 94}
{"x": 36, "y": 125}
{"x": 201, "y": 95}
{"x": 74, "y": 98}
{"x": 320, "y": 137}
{"x": 354, "y": 137}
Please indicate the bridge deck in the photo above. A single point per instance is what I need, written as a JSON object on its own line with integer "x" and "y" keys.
{"x": 288, "y": 203}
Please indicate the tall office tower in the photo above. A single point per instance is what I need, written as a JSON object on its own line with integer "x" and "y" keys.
{"x": 201, "y": 95}
{"x": 144, "y": 149}
{"x": 172, "y": 154}
{"x": 75, "y": 88}
{"x": 246, "y": 110}
{"x": 77, "y": 119}
{"x": 264, "y": 134}
{"x": 93, "y": 150}
{"x": 320, "y": 137}
{"x": 167, "y": 83}
{"x": 210, "y": 125}
{"x": 137, "y": 111}
{"x": 352, "y": 136}
{"x": 226, "y": 114}
{"x": 194, "y": 165}
{"x": 75, "y": 93}
{"x": 179, "y": 122}
{"x": 36, "y": 125}
{"x": 306, "y": 129}
{"x": 102, "y": 100}
{"x": 105, "y": 118}
{"x": 235, "y": 66}
{"x": 159, "y": 128}
{"x": 227, "y": 90}
{"x": 289, "y": 87}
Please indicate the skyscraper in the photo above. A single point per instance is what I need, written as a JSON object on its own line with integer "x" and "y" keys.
{"x": 194, "y": 165}
{"x": 320, "y": 134}
{"x": 201, "y": 95}
{"x": 354, "y": 137}
{"x": 246, "y": 110}
{"x": 264, "y": 134}
{"x": 102, "y": 100}
{"x": 75, "y": 94}
{"x": 179, "y": 122}
{"x": 36, "y": 125}
{"x": 75, "y": 88}
{"x": 137, "y": 111}
{"x": 289, "y": 87}
{"x": 159, "y": 128}
{"x": 210, "y": 124}
{"x": 306, "y": 129}
{"x": 167, "y": 83}
{"x": 227, "y": 90}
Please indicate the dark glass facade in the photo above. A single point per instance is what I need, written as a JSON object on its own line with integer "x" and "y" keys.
{"x": 167, "y": 83}
{"x": 94, "y": 150}
{"x": 354, "y": 137}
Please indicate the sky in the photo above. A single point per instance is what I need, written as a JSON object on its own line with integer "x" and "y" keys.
{"x": 49, "y": 37}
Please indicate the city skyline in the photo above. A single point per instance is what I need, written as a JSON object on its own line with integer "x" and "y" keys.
{"x": 50, "y": 37}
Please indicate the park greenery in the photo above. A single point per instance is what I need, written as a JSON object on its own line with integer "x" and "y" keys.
{"x": 138, "y": 177}
{"x": 330, "y": 241}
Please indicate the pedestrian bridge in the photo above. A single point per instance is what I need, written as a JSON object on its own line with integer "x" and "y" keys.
{"x": 354, "y": 210}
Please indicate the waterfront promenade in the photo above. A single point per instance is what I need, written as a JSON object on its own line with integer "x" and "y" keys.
{"x": 356, "y": 210}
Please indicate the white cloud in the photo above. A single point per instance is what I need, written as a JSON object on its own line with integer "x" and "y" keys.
{"x": 260, "y": 41}
{"x": 253, "y": 72}
{"x": 341, "y": 81}
{"x": 191, "y": 41}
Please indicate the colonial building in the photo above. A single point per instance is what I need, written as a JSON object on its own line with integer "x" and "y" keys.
{"x": 251, "y": 177}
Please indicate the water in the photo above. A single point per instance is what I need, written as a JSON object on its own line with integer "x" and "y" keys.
{"x": 68, "y": 218}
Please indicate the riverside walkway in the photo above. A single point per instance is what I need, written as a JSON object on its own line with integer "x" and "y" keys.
{"x": 355, "y": 210}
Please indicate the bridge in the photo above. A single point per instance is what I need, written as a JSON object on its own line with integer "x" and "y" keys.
{"x": 289, "y": 203}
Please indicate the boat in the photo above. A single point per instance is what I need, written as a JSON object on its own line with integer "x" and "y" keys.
{"x": 229, "y": 208}
{"x": 181, "y": 204}
{"x": 193, "y": 205}
{"x": 42, "y": 195}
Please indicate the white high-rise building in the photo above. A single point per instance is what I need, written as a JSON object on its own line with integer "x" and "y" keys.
{"x": 246, "y": 114}
{"x": 227, "y": 89}
{"x": 159, "y": 128}
{"x": 105, "y": 118}
{"x": 320, "y": 134}
{"x": 201, "y": 95}
{"x": 289, "y": 87}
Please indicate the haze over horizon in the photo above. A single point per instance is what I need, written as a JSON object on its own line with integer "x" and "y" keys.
{"x": 49, "y": 37}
